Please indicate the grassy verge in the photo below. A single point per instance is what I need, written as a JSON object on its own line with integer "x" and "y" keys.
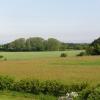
{"x": 9, "y": 95}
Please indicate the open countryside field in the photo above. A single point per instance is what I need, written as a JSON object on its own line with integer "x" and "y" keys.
{"x": 50, "y": 66}
{"x": 32, "y": 55}
{"x": 8, "y": 95}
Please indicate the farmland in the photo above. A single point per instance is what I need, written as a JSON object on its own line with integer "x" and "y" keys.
{"x": 50, "y": 66}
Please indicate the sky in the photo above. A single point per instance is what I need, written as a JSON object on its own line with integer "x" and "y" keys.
{"x": 76, "y": 21}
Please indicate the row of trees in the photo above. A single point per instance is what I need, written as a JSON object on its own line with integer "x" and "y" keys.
{"x": 74, "y": 46}
{"x": 32, "y": 44}
{"x": 39, "y": 44}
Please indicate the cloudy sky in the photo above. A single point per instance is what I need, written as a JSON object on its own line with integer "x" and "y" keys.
{"x": 66, "y": 20}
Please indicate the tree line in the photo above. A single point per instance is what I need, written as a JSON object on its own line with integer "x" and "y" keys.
{"x": 94, "y": 47}
{"x": 51, "y": 44}
{"x": 40, "y": 44}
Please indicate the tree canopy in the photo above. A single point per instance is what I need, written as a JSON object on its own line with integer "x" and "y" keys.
{"x": 32, "y": 44}
{"x": 40, "y": 44}
{"x": 94, "y": 47}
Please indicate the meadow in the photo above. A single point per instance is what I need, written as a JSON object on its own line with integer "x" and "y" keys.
{"x": 8, "y": 95}
{"x": 50, "y": 66}
{"x": 32, "y": 55}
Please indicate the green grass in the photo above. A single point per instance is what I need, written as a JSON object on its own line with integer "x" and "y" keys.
{"x": 50, "y": 66}
{"x": 8, "y": 95}
{"x": 31, "y": 55}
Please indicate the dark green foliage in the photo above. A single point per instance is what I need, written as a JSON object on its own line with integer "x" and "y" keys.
{"x": 81, "y": 54}
{"x": 31, "y": 86}
{"x": 36, "y": 87}
{"x": 6, "y": 83}
{"x": 39, "y": 44}
{"x": 22, "y": 86}
{"x": 84, "y": 94}
{"x": 95, "y": 94}
{"x": 75, "y": 46}
{"x": 1, "y": 56}
{"x": 94, "y": 48}
{"x": 63, "y": 55}
{"x": 78, "y": 86}
{"x": 53, "y": 88}
{"x": 32, "y": 44}
{"x": 90, "y": 94}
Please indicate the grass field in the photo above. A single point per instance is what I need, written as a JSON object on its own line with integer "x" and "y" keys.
{"x": 49, "y": 65}
{"x": 7, "y": 95}
{"x": 32, "y": 55}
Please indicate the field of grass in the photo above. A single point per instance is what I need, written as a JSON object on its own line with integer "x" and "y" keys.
{"x": 7, "y": 95}
{"x": 31, "y": 55}
{"x": 50, "y": 66}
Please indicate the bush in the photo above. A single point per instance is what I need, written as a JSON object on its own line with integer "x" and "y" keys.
{"x": 78, "y": 87}
{"x": 53, "y": 88}
{"x": 1, "y": 56}
{"x": 81, "y": 54}
{"x": 58, "y": 89}
{"x": 90, "y": 94}
{"x": 6, "y": 83}
{"x": 95, "y": 94}
{"x": 36, "y": 87}
{"x": 5, "y": 59}
{"x": 83, "y": 95}
{"x": 63, "y": 55}
{"x": 22, "y": 86}
{"x": 30, "y": 86}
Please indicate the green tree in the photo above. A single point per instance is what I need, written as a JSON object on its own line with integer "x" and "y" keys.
{"x": 53, "y": 44}
{"x": 94, "y": 47}
{"x": 17, "y": 45}
{"x": 35, "y": 44}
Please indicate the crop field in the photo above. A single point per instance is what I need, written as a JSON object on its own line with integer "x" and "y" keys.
{"x": 50, "y": 66}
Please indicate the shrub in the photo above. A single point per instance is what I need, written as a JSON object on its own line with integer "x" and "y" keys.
{"x": 90, "y": 94}
{"x": 57, "y": 89}
{"x": 84, "y": 94}
{"x": 5, "y": 59}
{"x": 31, "y": 86}
{"x": 22, "y": 86}
{"x": 52, "y": 87}
{"x": 6, "y": 83}
{"x": 95, "y": 94}
{"x": 1, "y": 56}
{"x": 81, "y": 54}
{"x": 63, "y": 55}
{"x": 36, "y": 87}
{"x": 78, "y": 86}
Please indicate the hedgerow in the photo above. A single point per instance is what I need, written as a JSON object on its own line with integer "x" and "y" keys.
{"x": 37, "y": 87}
{"x": 90, "y": 93}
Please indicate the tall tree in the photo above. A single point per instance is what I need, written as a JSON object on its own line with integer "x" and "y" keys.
{"x": 17, "y": 45}
{"x": 53, "y": 44}
{"x": 94, "y": 47}
{"x": 35, "y": 44}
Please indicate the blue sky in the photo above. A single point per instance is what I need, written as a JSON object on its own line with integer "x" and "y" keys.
{"x": 66, "y": 20}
